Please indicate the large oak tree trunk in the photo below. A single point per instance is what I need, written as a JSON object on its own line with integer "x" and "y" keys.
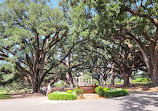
{"x": 113, "y": 79}
{"x": 154, "y": 77}
{"x": 71, "y": 80}
{"x": 35, "y": 84}
{"x": 126, "y": 79}
{"x": 35, "y": 88}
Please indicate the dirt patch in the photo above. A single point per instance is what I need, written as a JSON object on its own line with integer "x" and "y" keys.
{"x": 91, "y": 96}
{"x": 24, "y": 95}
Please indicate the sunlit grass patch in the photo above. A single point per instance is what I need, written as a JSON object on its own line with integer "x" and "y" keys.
{"x": 4, "y": 96}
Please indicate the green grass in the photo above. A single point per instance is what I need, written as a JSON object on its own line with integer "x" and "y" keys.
{"x": 141, "y": 83}
{"x": 4, "y": 96}
{"x": 8, "y": 91}
{"x": 115, "y": 82}
{"x": 133, "y": 82}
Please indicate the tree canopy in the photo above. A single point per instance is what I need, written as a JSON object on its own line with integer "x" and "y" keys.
{"x": 41, "y": 43}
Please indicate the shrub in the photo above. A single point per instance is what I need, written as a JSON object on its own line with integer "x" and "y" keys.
{"x": 70, "y": 91}
{"x": 62, "y": 96}
{"x": 106, "y": 89}
{"x": 4, "y": 96}
{"x": 100, "y": 90}
{"x": 77, "y": 91}
{"x": 115, "y": 93}
{"x": 96, "y": 89}
{"x": 107, "y": 92}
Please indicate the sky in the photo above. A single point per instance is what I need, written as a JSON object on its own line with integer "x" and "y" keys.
{"x": 55, "y": 2}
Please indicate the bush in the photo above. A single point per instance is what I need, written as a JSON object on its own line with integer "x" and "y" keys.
{"x": 107, "y": 92}
{"x": 4, "y": 96}
{"x": 77, "y": 91}
{"x": 62, "y": 96}
{"x": 96, "y": 89}
{"x": 70, "y": 91}
{"x": 100, "y": 90}
{"x": 116, "y": 93}
{"x": 106, "y": 89}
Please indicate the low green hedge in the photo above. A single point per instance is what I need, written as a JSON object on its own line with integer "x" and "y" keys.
{"x": 100, "y": 90}
{"x": 97, "y": 88}
{"x": 116, "y": 93}
{"x": 4, "y": 96}
{"x": 62, "y": 96}
{"x": 77, "y": 91}
{"x": 107, "y": 92}
{"x": 68, "y": 95}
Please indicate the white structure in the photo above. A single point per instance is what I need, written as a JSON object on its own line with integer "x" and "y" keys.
{"x": 79, "y": 81}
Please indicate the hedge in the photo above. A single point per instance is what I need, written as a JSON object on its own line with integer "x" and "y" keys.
{"x": 77, "y": 91}
{"x": 62, "y": 96}
{"x": 107, "y": 92}
{"x": 116, "y": 93}
{"x": 4, "y": 96}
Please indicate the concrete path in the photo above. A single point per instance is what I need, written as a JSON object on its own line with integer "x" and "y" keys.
{"x": 136, "y": 101}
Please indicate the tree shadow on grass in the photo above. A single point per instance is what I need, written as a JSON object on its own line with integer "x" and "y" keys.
{"x": 139, "y": 101}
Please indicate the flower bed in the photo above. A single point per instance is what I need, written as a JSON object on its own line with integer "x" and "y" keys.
{"x": 107, "y": 92}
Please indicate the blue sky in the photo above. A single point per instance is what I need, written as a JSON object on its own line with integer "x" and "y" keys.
{"x": 55, "y": 2}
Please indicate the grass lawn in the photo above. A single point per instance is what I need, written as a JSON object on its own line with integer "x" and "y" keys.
{"x": 4, "y": 96}
{"x": 142, "y": 83}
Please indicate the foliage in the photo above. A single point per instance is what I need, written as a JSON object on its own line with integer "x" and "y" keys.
{"x": 60, "y": 84}
{"x": 39, "y": 42}
{"x": 62, "y": 96}
{"x": 116, "y": 93}
{"x": 77, "y": 91}
{"x": 140, "y": 80}
{"x": 4, "y": 96}
{"x": 96, "y": 89}
{"x": 108, "y": 92}
{"x": 122, "y": 21}
{"x": 100, "y": 91}
{"x": 70, "y": 91}
{"x": 34, "y": 37}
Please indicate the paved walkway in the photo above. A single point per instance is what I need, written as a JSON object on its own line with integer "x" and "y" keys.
{"x": 136, "y": 101}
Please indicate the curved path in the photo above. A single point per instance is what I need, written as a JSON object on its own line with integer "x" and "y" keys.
{"x": 136, "y": 101}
